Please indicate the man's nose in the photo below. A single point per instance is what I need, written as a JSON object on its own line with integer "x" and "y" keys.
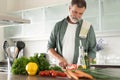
{"x": 78, "y": 16}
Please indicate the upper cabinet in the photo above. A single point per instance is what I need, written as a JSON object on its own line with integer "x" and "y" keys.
{"x": 92, "y": 13}
{"x": 54, "y": 14}
{"x": 110, "y": 15}
{"x": 36, "y": 27}
{"x": 103, "y": 14}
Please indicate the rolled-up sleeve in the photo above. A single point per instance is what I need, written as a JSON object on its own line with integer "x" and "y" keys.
{"x": 52, "y": 38}
{"x": 92, "y": 43}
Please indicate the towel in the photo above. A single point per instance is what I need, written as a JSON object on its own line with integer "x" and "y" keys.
{"x": 84, "y": 29}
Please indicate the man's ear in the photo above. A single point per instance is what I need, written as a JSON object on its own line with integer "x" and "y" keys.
{"x": 70, "y": 7}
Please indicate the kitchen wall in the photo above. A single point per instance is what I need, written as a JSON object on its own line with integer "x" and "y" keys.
{"x": 6, "y": 6}
{"x": 3, "y": 5}
{"x": 1, "y": 44}
{"x": 110, "y": 53}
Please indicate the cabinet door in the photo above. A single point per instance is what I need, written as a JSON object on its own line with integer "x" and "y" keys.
{"x": 15, "y": 29}
{"x": 111, "y": 15}
{"x": 54, "y": 14}
{"x": 92, "y": 13}
{"x": 36, "y": 27}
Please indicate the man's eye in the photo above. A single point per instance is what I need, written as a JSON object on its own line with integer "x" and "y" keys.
{"x": 74, "y": 12}
{"x": 80, "y": 13}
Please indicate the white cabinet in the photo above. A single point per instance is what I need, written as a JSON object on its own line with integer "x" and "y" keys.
{"x": 111, "y": 15}
{"x": 92, "y": 13}
{"x": 103, "y": 14}
{"x": 37, "y": 22}
{"x": 12, "y": 31}
{"x": 53, "y": 15}
{"x": 42, "y": 21}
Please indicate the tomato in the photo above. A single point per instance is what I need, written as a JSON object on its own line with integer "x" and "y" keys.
{"x": 54, "y": 74}
{"x": 61, "y": 74}
{"x": 41, "y": 73}
{"x": 51, "y": 71}
{"x": 44, "y": 73}
{"x": 47, "y": 73}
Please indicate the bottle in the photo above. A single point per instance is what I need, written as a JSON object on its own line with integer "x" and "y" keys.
{"x": 81, "y": 59}
{"x": 87, "y": 62}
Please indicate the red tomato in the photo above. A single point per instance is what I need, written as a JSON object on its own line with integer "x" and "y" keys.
{"x": 54, "y": 74}
{"x": 51, "y": 71}
{"x": 61, "y": 74}
{"x": 46, "y": 73}
{"x": 41, "y": 73}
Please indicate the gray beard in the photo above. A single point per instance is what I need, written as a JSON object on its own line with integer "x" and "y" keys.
{"x": 75, "y": 20}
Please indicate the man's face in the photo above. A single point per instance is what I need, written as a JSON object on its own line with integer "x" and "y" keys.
{"x": 75, "y": 13}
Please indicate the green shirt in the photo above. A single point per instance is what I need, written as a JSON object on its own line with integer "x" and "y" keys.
{"x": 57, "y": 35}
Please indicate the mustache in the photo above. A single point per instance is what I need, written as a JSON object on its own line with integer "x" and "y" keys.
{"x": 75, "y": 18}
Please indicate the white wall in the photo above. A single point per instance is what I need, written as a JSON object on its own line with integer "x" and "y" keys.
{"x": 10, "y": 5}
{"x": 3, "y": 6}
{"x": 6, "y": 6}
{"x": 1, "y": 43}
{"x": 35, "y": 46}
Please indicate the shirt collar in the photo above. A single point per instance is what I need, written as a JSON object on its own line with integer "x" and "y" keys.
{"x": 79, "y": 22}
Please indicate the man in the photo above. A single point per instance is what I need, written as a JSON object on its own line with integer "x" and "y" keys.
{"x": 65, "y": 38}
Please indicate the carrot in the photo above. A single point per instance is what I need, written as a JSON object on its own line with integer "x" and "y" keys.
{"x": 78, "y": 75}
{"x": 83, "y": 74}
{"x": 68, "y": 75}
{"x": 72, "y": 75}
{"x": 65, "y": 71}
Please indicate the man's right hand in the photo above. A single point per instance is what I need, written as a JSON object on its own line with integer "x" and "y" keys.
{"x": 63, "y": 63}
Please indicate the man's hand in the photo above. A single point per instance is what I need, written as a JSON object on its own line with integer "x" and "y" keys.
{"x": 63, "y": 63}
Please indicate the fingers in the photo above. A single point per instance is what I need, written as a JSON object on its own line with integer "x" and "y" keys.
{"x": 63, "y": 63}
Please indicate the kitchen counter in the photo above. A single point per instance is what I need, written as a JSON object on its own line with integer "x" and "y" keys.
{"x": 5, "y": 76}
{"x": 105, "y": 65}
